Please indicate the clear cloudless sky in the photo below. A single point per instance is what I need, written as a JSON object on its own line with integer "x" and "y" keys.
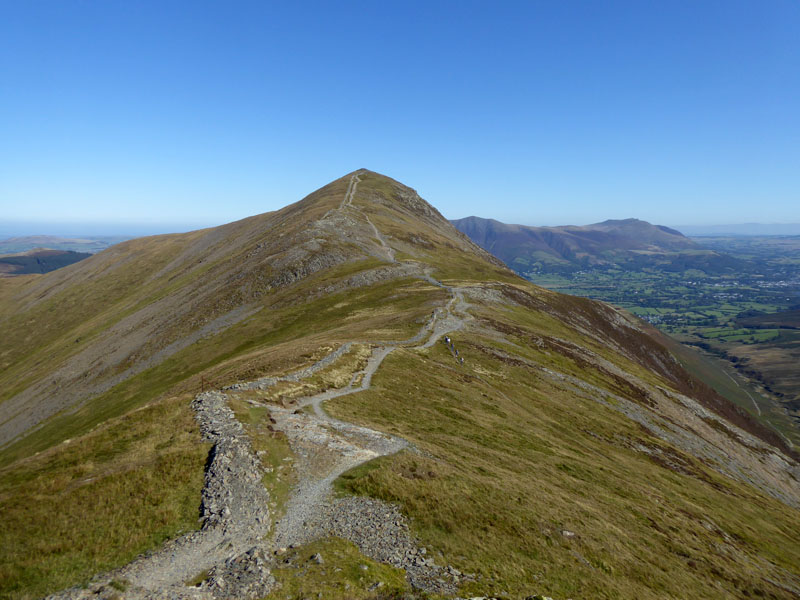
{"x": 179, "y": 114}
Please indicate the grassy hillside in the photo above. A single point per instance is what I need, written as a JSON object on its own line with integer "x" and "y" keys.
{"x": 95, "y": 502}
{"x": 539, "y": 486}
{"x": 730, "y": 297}
{"x": 571, "y": 454}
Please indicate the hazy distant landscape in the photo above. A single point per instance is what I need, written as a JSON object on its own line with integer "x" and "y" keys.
{"x": 86, "y": 244}
{"x": 733, "y": 297}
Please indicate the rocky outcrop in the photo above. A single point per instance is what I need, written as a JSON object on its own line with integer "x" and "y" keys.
{"x": 381, "y": 532}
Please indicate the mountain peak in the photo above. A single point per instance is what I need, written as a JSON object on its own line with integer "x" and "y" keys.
{"x": 642, "y": 230}
{"x": 361, "y": 295}
{"x": 633, "y": 224}
{"x": 364, "y": 222}
{"x": 623, "y": 222}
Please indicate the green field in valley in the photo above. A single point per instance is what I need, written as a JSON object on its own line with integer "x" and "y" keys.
{"x": 725, "y": 315}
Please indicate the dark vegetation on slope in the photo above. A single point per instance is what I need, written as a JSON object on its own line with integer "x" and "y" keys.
{"x": 41, "y": 260}
{"x": 788, "y": 319}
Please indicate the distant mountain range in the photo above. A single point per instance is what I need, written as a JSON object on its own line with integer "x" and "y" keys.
{"x": 625, "y": 243}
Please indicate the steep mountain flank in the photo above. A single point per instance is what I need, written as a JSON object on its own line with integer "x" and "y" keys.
{"x": 628, "y": 243}
{"x": 88, "y": 328}
{"x": 490, "y": 437}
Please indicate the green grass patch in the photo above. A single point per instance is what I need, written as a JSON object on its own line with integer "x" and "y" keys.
{"x": 512, "y": 460}
{"x": 198, "y": 579}
{"x": 273, "y": 450}
{"x": 96, "y": 502}
{"x": 344, "y": 574}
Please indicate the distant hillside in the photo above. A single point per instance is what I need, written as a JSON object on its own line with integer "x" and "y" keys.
{"x": 626, "y": 243}
{"x": 91, "y": 244}
{"x": 39, "y": 260}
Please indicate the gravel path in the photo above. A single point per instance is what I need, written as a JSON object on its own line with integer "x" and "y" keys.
{"x": 235, "y": 516}
{"x": 389, "y": 250}
{"x": 326, "y": 447}
{"x": 758, "y": 408}
{"x": 350, "y": 193}
{"x": 235, "y": 544}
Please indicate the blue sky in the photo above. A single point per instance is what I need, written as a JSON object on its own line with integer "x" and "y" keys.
{"x": 176, "y": 114}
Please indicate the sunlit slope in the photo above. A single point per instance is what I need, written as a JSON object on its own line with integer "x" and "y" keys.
{"x": 570, "y": 453}
{"x": 90, "y": 329}
{"x": 545, "y": 467}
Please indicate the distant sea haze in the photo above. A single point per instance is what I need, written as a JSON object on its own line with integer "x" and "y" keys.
{"x": 9, "y": 229}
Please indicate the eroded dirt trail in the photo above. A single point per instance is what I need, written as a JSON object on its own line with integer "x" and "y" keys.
{"x": 237, "y": 545}
{"x": 326, "y": 447}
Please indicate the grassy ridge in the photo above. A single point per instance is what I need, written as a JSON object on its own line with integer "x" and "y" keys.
{"x": 270, "y": 340}
{"x": 517, "y": 461}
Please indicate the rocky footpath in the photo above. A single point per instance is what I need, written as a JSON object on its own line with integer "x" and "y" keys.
{"x": 234, "y": 499}
{"x": 236, "y": 520}
{"x": 244, "y": 576}
{"x": 233, "y": 552}
{"x": 325, "y": 448}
